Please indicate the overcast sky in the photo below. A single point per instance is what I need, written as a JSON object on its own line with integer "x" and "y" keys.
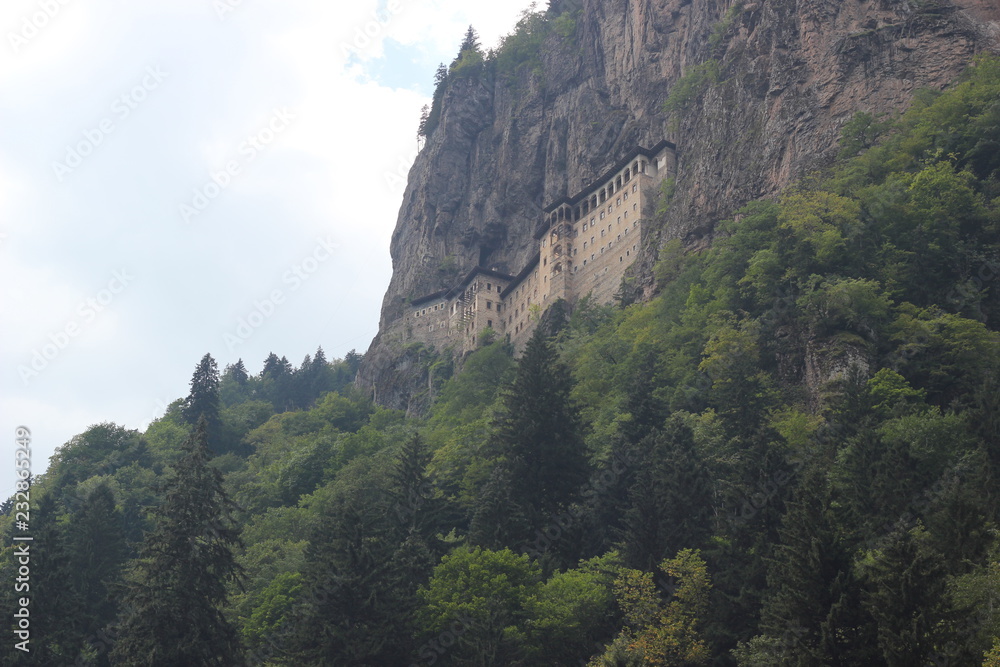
{"x": 169, "y": 169}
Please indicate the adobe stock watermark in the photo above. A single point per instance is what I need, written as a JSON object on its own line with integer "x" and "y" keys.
{"x": 122, "y": 108}
{"x": 249, "y": 150}
{"x": 22, "y": 546}
{"x": 432, "y": 651}
{"x": 365, "y": 36}
{"x": 969, "y": 293}
{"x": 32, "y": 25}
{"x": 224, "y": 7}
{"x": 86, "y": 313}
{"x": 264, "y": 309}
{"x": 396, "y": 180}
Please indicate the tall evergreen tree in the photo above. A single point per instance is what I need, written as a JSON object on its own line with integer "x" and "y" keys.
{"x": 349, "y": 560}
{"x": 56, "y": 619}
{"x": 178, "y": 585}
{"x": 353, "y": 361}
{"x": 203, "y": 400}
{"x": 670, "y": 499}
{"x": 470, "y": 42}
{"x": 238, "y": 372}
{"x": 416, "y": 507}
{"x": 96, "y": 539}
{"x": 907, "y": 596}
{"x": 425, "y": 114}
{"x": 441, "y": 75}
{"x": 499, "y": 519}
{"x": 539, "y": 435}
{"x": 809, "y": 582}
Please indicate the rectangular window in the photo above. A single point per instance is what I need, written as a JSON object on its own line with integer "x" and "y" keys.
{"x": 634, "y": 186}
{"x": 489, "y": 305}
{"x": 489, "y": 323}
{"x": 619, "y": 202}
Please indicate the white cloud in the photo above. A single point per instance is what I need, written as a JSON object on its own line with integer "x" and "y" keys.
{"x": 326, "y": 175}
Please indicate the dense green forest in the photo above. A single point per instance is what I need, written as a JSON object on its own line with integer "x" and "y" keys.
{"x": 787, "y": 457}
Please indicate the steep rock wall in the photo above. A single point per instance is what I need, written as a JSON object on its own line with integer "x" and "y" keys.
{"x": 789, "y": 74}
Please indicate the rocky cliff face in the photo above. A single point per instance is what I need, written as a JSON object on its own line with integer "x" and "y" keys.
{"x": 778, "y": 78}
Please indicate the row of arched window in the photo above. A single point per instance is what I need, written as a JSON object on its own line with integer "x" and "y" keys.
{"x": 572, "y": 214}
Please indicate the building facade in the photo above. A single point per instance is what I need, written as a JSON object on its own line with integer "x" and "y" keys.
{"x": 585, "y": 244}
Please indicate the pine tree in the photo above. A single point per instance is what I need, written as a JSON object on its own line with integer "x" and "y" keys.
{"x": 203, "y": 400}
{"x": 96, "y": 539}
{"x": 806, "y": 583}
{"x": 321, "y": 377}
{"x": 349, "y": 562}
{"x": 238, "y": 372}
{"x": 353, "y": 361}
{"x": 645, "y": 411}
{"x": 670, "y": 499}
{"x": 908, "y": 598}
{"x": 178, "y": 585}
{"x": 272, "y": 367}
{"x": 539, "y": 434}
{"x": 416, "y": 508}
{"x": 425, "y": 114}
{"x": 276, "y": 377}
{"x": 441, "y": 75}
{"x": 499, "y": 519}
{"x": 470, "y": 42}
{"x": 56, "y": 619}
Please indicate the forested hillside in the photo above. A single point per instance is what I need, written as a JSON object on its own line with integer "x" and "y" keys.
{"x": 789, "y": 456}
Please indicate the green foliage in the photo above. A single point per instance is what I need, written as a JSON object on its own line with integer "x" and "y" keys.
{"x": 812, "y": 402}
{"x": 572, "y": 612}
{"x": 861, "y": 132}
{"x": 433, "y": 118}
{"x": 907, "y": 598}
{"x": 179, "y": 582}
{"x": 688, "y": 88}
{"x": 666, "y": 195}
{"x": 203, "y": 401}
{"x": 468, "y": 65}
{"x": 539, "y": 438}
{"x": 484, "y": 593}
{"x": 663, "y": 635}
{"x": 564, "y": 25}
{"x": 722, "y": 28}
{"x": 521, "y": 49}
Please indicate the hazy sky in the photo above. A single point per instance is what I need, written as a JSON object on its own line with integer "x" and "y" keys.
{"x": 189, "y": 176}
